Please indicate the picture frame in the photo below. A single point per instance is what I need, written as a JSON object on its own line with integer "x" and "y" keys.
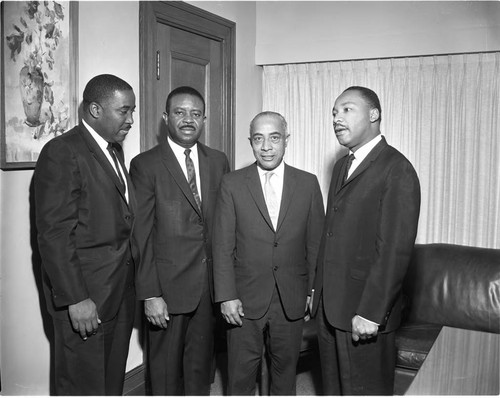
{"x": 39, "y": 98}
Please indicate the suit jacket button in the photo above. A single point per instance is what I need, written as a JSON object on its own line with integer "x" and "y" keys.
{"x": 329, "y": 234}
{"x": 335, "y": 208}
{"x": 275, "y": 268}
{"x": 275, "y": 244}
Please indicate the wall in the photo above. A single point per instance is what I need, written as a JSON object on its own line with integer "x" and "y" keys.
{"x": 307, "y": 31}
{"x": 248, "y": 76}
{"x": 108, "y": 43}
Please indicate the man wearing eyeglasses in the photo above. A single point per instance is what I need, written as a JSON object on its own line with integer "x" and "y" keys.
{"x": 267, "y": 228}
{"x": 176, "y": 185}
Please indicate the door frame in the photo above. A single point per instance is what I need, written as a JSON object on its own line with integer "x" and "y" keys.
{"x": 192, "y": 19}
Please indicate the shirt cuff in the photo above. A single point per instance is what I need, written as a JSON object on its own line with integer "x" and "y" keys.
{"x": 367, "y": 320}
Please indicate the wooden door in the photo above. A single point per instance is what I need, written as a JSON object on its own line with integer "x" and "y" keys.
{"x": 183, "y": 45}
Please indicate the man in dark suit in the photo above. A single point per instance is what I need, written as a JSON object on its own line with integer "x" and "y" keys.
{"x": 369, "y": 234}
{"x": 268, "y": 224}
{"x": 177, "y": 183}
{"x": 85, "y": 207}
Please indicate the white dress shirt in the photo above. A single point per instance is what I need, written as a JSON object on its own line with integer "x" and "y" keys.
{"x": 103, "y": 144}
{"x": 362, "y": 153}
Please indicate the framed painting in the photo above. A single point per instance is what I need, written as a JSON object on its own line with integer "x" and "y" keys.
{"x": 39, "y": 77}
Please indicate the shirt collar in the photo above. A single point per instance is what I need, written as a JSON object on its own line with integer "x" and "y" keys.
{"x": 179, "y": 150}
{"x": 103, "y": 144}
{"x": 363, "y": 152}
{"x": 279, "y": 171}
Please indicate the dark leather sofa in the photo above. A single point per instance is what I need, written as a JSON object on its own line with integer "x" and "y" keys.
{"x": 446, "y": 285}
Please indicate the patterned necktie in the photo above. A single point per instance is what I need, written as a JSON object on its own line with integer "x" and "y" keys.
{"x": 271, "y": 199}
{"x": 192, "y": 178}
{"x": 112, "y": 152}
{"x": 348, "y": 166}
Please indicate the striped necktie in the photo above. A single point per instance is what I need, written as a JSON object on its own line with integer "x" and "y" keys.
{"x": 192, "y": 178}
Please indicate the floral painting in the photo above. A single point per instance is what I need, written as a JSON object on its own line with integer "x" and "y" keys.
{"x": 39, "y": 77}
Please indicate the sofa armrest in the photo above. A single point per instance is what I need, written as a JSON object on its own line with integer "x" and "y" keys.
{"x": 452, "y": 285}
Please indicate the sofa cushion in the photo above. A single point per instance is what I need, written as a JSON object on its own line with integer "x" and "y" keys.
{"x": 414, "y": 342}
{"x": 452, "y": 285}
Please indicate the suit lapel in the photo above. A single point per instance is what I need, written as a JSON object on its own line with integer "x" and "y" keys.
{"x": 289, "y": 183}
{"x": 98, "y": 154}
{"x": 338, "y": 179}
{"x": 174, "y": 168}
{"x": 365, "y": 164}
{"x": 255, "y": 188}
{"x": 204, "y": 164}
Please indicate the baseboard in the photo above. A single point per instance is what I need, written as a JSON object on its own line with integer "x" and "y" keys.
{"x": 135, "y": 382}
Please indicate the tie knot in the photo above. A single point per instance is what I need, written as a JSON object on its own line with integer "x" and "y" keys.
{"x": 268, "y": 175}
{"x": 350, "y": 159}
{"x": 187, "y": 152}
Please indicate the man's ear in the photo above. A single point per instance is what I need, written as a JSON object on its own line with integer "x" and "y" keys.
{"x": 95, "y": 110}
{"x": 374, "y": 115}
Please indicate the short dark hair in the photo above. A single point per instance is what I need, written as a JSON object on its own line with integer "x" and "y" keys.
{"x": 369, "y": 96}
{"x": 183, "y": 90}
{"x": 102, "y": 87}
{"x": 277, "y": 115}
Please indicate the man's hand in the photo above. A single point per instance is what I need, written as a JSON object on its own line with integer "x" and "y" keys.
{"x": 363, "y": 329}
{"x": 156, "y": 312}
{"x": 308, "y": 310}
{"x": 232, "y": 311}
{"x": 84, "y": 318}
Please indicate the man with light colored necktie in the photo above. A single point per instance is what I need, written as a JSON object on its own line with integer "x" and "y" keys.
{"x": 267, "y": 228}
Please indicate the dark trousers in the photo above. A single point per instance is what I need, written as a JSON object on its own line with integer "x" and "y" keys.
{"x": 245, "y": 345}
{"x": 95, "y": 366}
{"x": 180, "y": 357}
{"x": 355, "y": 368}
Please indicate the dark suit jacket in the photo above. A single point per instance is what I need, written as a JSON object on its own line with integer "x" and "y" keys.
{"x": 84, "y": 224}
{"x": 173, "y": 236}
{"x": 369, "y": 234}
{"x": 250, "y": 257}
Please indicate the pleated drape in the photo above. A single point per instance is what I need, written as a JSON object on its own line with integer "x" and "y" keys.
{"x": 441, "y": 112}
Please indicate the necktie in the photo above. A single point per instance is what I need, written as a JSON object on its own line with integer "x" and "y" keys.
{"x": 192, "y": 177}
{"x": 348, "y": 166}
{"x": 271, "y": 199}
{"x": 112, "y": 152}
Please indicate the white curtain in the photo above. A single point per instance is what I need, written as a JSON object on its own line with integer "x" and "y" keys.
{"x": 441, "y": 112}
